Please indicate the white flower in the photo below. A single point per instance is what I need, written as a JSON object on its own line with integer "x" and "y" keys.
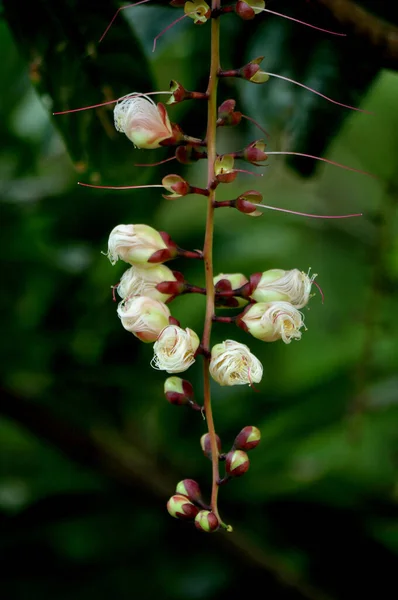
{"x": 292, "y": 286}
{"x": 144, "y": 317}
{"x": 134, "y": 244}
{"x": 271, "y": 321}
{"x": 144, "y": 123}
{"x": 138, "y": 281}
{"x": 175, "y": 349}
{"x": 232, "y": 363}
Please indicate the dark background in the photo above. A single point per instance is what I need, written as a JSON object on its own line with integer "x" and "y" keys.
{"x": 90, "y": 449}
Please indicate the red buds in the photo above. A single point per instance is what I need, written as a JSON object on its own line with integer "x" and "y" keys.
{"x": 227, "y": 114}
{"x": 206, "y": 521}
{"x": 190, "y": 489}
{"x": 249, "y": 437}
{"x": 180, "y": 507}
{"x": 206, "y": 444}
{"x": 236, "y": 463}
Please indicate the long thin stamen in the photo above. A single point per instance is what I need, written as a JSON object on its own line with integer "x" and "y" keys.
{"x": 301, "y": 214}
{"x": 118, "y": 187}
{"x": 320, "y": 290}
{"x": 256, "y": 124}
{"x": 132, "y": 95}
{"x": 169, "y": 27}
{"x": 272, "y": 12}
{"x": 249, "y": 172}
{"x": 331, "y": 162}
{"x": 116, "y": 14}
{"x": 155, "y": 164}
{"x": 306, "y": 87}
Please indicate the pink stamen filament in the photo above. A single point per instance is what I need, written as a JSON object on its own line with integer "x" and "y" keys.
{"x": 155, "y": 164}
{"x": 169, "y": 27}
{"x": 251, "y": 384}
{"x": 132, "y": 95}
{"x": 306, "y": 87}
{"x": 249, "y": 172}
{"x": 116, "y": 14}
{"x": 118, "y": 187}
{"x": 320, "y": 291}
{"x": 331, "y": 162}
{"x": 272, "y": 12}
{"x": 301, "y": 214}
{"x": 114, "y": 288}
{"x": 256, "y": 124}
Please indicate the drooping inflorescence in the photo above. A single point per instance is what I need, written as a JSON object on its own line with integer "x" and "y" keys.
{"x": 268, "y": 303}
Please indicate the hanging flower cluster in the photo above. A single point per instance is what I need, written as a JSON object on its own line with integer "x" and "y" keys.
{"x": 268, "y": 303}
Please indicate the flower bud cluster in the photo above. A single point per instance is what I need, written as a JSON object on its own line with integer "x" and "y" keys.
{"x": 187, "y": 505}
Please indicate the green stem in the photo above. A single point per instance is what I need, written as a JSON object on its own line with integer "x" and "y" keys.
{"x": 208, "y": 246}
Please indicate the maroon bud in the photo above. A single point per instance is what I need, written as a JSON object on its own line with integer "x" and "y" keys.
{"x": 254, "y": 152}
{"x": 227, "y": 115}
{"x": 178, "y": 92}
{"x": 189, "y": 153}
{"x": 180, "y": 507}
{"x": 206, "y": 444}
{"x": 244, "y": 11}
{"x": 206, "y": 521}
{"x": 190, "y": 489}
{"x": 249, "y": 437}
{"x": 178, "y": 391}
{"x": 177, "y": 3}
{"x": 236, "y": 463}
{"x": 245, "y": 203}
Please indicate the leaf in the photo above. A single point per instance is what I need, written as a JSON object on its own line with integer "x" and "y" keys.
{"x": 70, "y": 69}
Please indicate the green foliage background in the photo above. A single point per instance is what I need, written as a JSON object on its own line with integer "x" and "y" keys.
{"x": 90, "y": 450}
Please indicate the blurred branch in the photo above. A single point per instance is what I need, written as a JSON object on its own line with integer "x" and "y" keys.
{"x": 379, "y": 33}
{"x": 132, "y": 469}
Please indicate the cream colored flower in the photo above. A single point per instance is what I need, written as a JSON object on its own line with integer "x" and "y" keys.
{"x": 175, "y": 349}
{"x": 138, "y": 281}
{"x": 232, "y": 363}
{"x": 292, "y": 286}
{"x": 144, "y": 317}
{"x": 144, "y": 123}
{"x": 271, "y": 321}
{"x": 134, "y": 244}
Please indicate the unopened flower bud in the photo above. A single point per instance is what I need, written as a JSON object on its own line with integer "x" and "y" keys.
{"x": 177, "y": 3}
{"x": 236, "y": 463}
{"x": 248, "y": 9}
{"x": 246, "y": 203}
{"x": 205, "y": 442}
{"x": 252, "y": 71}
{"x": 134, "y": 244}
{"x": 189, "y": 153}
{"x": 254, "y": 152}
{"x": 190, "y": 489}
{"x": 175, "y": 349}
{"x": 227, "y": 114}
{"x": 224, "y": 168}
{"x": 178, "y": 391}
{"x": 293, "y": 286}
{"x": 249, "y": 437}
{"x": 144, "y": 123}
{"x": 206, "y": 521}
{"x": 138, "y": 281}
{"x": 180, "y": 507}
{"x": 226, "y": 282}
{"x": 178, "y": 92}
{"x": 271, "y": 321}
{"x": 176, "y": 185}
{"x": 232, "y": 363}
{"x": 198, "y": 10}
{"x": 144, "y": 317}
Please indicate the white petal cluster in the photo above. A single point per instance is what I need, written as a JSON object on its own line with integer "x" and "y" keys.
{"x": 232, "y": 363}
{"x": 138, "y": 281}
{"x": 134, "y": 244}
{"x": 175, "y": 349}
{"x": 144, "y": 123}
{"x": 144, "y": 317}
{"x": 271, "y": 321}
{"x": 292, "y": 286}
